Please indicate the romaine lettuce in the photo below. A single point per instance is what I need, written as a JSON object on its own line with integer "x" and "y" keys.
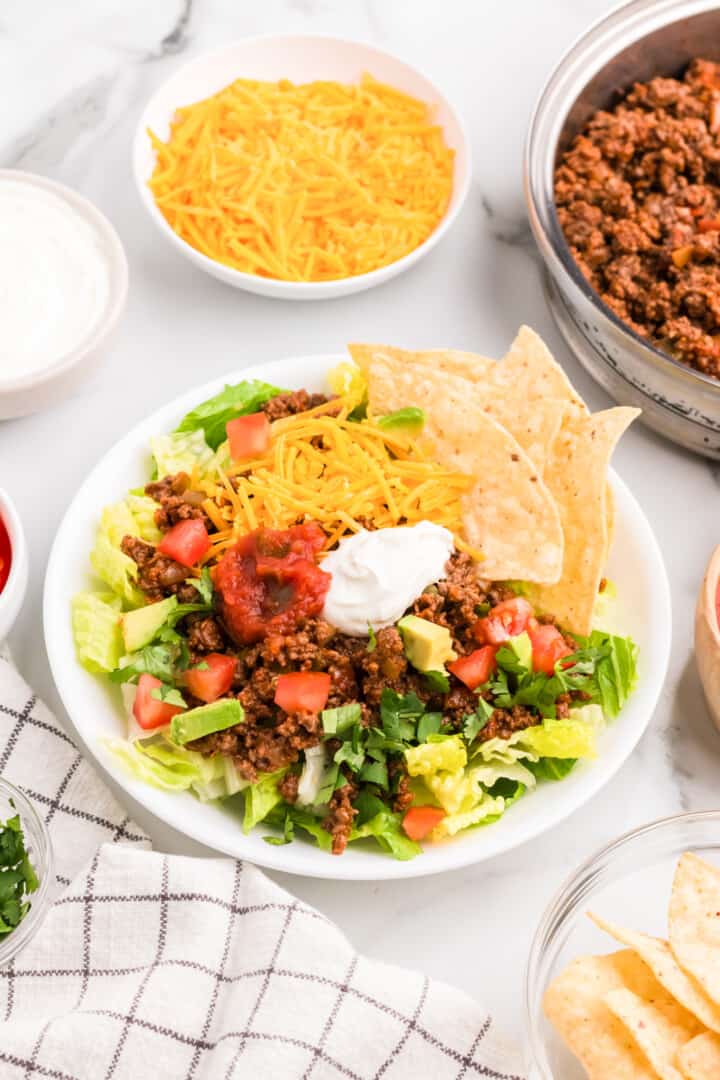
{"x": 311, "y": 775}
{"x": 454, "y": 823}
{"x": 116, "y": 569}
{"x": 181, "y": 452}
{"x": 437, "y": 754}
{"x": 211, "y": 416}
{"x": 96, "y": 630}
{"x": 385, "y": 827}
{"x": 261, "y": 797}
{"x": 560, "y": 739}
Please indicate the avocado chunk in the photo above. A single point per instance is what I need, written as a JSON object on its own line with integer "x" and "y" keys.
{"x": 139, "y": 627}
{"x": 428, "y": 646}
{"x": 205, "y": 720}
{"x": 408, "y": 421}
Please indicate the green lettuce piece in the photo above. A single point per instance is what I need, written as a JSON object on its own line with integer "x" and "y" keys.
{"x": 96, "y": 630}
{"x": 560, "y": 739}
{"x": 616, "y": 673}
{"x": 116, "y": 569}
{"x": 348, "y": 381}
{"x": 181, "y": 452}
{"x": 487, "y": 807}
{"x": 261, "y": 797}
{"x": 438, "y": 754}
{"x": 385, "y": 827}
{"x": 176, "y": 774}
{"x": 503, "y": 750}
{"x": 212, "y": 415}
{"x": 549, "y": 768}
{"x": 590, "y": 714}
{"x": 489, "y": 774}
{"x": 143, "y": 509}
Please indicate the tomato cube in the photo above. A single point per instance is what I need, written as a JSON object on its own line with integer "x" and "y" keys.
{"x": 476, "y": 668}
{"x": 186, "y": 543}
{"x": 150, "y": 712}
{"x": 507, "y": 619}
{"x": 302, "y": 691}
{"x": 249, "y": 436}
{"x": 420, "y": 821}
{"x": 212, "y": 678}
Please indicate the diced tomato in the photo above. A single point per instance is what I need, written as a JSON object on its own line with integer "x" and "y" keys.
{"x": 249, "y": 436}
{"x": 476, "y": 668}
{"x": 149, "y": 711}
{"x": 269, "y": 581}
{"x": 302, "y": 691}
{"x": 213, "y": 678}
{"x": 420, "y": 821}
{"x": 507, "y": 619}
{"x": 186, "y": 542}
{"x": 548, "y": 646}
{"x": 709, "y": 225}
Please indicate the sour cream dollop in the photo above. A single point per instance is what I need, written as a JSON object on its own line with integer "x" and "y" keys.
{"x": 376, "y": 575}
{"x": 54, "y": 278}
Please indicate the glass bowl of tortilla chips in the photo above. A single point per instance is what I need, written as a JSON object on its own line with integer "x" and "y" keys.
{"x": 623, "y": 977}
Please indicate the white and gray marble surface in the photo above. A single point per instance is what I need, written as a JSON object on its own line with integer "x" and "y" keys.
{"x": 73, "y": 80}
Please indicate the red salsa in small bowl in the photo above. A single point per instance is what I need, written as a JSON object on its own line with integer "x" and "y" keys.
{"x": 5, "y": 555}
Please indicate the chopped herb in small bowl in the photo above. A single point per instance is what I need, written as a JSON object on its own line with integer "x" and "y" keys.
{"x": 26, "y": 870}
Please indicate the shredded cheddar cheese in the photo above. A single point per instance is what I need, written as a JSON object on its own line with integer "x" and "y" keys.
{"x": 342, "y": 474}
{"x": 310, "y": 182}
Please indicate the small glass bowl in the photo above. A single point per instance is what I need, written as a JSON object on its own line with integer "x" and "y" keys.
{"x": 627, "y": 882}
{"x": 39, "y": 847}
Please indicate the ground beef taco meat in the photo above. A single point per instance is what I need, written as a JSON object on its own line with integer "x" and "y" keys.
{"x": 638, "y": 198}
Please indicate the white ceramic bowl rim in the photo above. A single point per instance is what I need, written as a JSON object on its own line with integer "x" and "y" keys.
{"x": 626, "y": 23}
{"x": 115, "y": 254}
{"x": 306, "y": 288}
{"x": 88, "y": 701}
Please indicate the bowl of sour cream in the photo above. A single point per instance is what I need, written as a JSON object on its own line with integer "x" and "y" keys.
{"x": 63, "y": 286}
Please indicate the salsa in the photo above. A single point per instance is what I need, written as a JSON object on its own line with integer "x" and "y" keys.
{"x": 5, "y": 555}
{"x": 269, "y": 581}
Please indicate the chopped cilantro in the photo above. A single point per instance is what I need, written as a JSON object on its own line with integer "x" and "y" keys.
{"x": 437, "y": 681}
{"x": 339, "y": 720}
{"x": 203, "y": 584}
{"x": 169, "y": 695}
{"x": 372, "y": 639}
{"x": 17, "y": 876}
{"x": 428, "y": 724}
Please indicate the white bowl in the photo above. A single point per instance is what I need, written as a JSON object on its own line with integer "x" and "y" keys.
{"x": 12, "y": 595}
{"x": 301, "y": 58}
{"x": 37, "y": 390}
{"x": 94, "y": 705}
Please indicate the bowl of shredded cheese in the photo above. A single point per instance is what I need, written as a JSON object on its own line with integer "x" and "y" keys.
{"x": 301, "y": 167}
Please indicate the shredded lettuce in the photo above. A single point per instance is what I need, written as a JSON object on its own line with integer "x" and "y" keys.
{"x": 96, "y": 630}
{"x": 386, "y": 828}
{"x": 115, "y": 569}
{"x": 212, "y": 415}
{"x": 175, "y": 775}
{"x": 560, "y": 739}
{"x": 487, "y": 807}
{"x": 616, "y": 673}
{"x": 348, "y": 381}
{"x": 181, "y": 452}
{"x": 164, "y": 765}
{"x": 446, "y": 754}
{"x": 143, "y": 509}
{"x": 261, "y": 797}
{"x": 311, "y": 775}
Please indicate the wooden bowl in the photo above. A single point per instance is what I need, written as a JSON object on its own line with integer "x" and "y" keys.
{"x": 707, "y": 635}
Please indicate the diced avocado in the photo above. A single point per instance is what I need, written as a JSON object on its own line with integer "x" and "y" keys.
{"x": 205, "y": 720}
{"x": 409, "y": 421}
{"x": 428, "y": 646}
{"x": 139, "y": 627}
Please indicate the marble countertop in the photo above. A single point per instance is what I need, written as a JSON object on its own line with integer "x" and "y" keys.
{"x": 77, "y": 77}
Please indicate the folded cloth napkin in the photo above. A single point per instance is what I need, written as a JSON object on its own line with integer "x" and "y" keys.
{"x": 159, "y": 966}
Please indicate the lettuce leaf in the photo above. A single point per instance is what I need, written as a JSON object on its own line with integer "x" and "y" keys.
{"x": 560, "y": 739}
{"x": 439, "y": 753}
{"x": 181, "y": 452}
{"x": 96, "y": 630}
{"x": 386, "y": 828}
{"x": 115, "y": 569}
{"x": 212, "y": 415}
{"x": 162, "y": 771}
{"x": 142, "y": 509}
{"x": 616, "y": 673}
{"x": 311, "y": 775}
{"x": 487, "y": 807}
{"x": 348, "y": 381}
{"x": 261, "y": 797}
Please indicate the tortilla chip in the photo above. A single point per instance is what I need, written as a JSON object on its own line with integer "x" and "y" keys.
{"x": 574, "y": 1003}
{"x": 700, "y": 1058}
{"x": 509, "y": 513}
{"x": 576, "y": 478}
{"x": 534, "y": 422}
{"x": 466, "y": 365}
{"x": 660, "y": 1027}
{"x": 529, "y": 364}
{"x": 694, "y": 922}
{"x": 609, "y": 519}
{"x": 658, "y": 956}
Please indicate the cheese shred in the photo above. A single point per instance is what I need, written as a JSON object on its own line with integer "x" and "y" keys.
{"x": 311, "y": 182}
{"x": 345, "y": 475}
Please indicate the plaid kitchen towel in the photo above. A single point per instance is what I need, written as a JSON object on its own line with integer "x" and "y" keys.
{"x": 165, "y": 967}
